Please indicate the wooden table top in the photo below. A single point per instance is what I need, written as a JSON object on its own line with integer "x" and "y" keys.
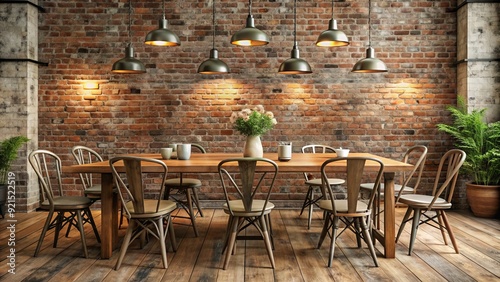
{"x": 207, "y": 163}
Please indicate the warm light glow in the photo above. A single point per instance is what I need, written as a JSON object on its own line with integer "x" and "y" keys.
{"x": 161, "y": 43}
{"x": 90, "y": 85}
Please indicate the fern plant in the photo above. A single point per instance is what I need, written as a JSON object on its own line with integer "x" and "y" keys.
{"x": 8, "y": 154}
{"x": 479, "y": 140}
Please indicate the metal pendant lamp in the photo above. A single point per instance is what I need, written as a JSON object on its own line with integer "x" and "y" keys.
{"x": 213, "y": 65}
{"x": 250, "y": 35}
{"x": 370, "y": 64}
{"x": 295, "y": 65}
{"x": 128, "y": 64}
{"x": 332, "y": 37}
{"x": 162, "y": 36}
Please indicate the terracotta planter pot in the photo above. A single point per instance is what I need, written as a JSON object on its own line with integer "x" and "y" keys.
{"x": 484, "y": 200}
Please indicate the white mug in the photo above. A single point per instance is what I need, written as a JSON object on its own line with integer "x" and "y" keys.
{"x": 285, "y": 152}
{"x": 183, "y": 151}
{"x": 166, "y": 153}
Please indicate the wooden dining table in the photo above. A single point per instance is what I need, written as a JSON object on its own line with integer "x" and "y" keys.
{"x": 207, "y": 163}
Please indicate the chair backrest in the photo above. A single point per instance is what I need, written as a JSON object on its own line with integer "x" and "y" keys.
{"x": 47, "y": 167}
{"x": 85, "y": 155}
{"x": 199, "y": 147}
{"x": 449, "y": 166}
{"x": 242, "y": 180}
{"x": 415, "y": 155}
{"x": 355, "y": 172}
{"x": 315, "y": 149}
{"x": 131, "y": 184}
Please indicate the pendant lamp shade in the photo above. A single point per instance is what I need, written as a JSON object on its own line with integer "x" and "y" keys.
{"x": 128, "y": 64}
{"x": 295, "y": 65}
{"x": 162, "y": 36}
{"x": 213, "y": 65}
{"x": 250, "y": 35}
{"x": 332, "y": 37}
{"x": 370, "y": 64}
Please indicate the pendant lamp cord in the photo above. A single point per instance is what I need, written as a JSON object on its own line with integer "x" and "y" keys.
{"x": 332, "y": 10}
{"x": 163, "y": 8}
{"x": 249, "y": 7}
{"x": 129, "y": 22}
{"x": 213, "y": 24}
{"x": 295, "y": 23}
{"x": 369, "y": 24}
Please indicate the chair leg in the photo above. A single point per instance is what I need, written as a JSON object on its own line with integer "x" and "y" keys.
{"x": 82, "y": 232}
{"x": 92, "y": 223}
{"x": 171, "y": 233}
{"x": 307, "y": 200}
{"x": 368, "y": 240}
{"x": 44, "y": 231}
{"x": 414, "y": 229}
{"x": 232, "y": 238}
{"x": 197, "y": 201}
{"x": 161, "y": 238}
{"x": 192, "y": 214}
{"x": 441, "y": 226}
{"x": 59, "y": 220}
{"x": 125, "y": 244}
{"x": 450, "y": 232}
{"x": 335, "y": 225}
{"x": 267, "y": 240}
{"x": 403, "y": 222}
{"x": 358, "y": 231}
{"x": 324, "y": 231}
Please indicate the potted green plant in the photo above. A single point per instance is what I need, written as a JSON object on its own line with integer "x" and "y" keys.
{"x": 481, "y": 142}
{"x": 8, "y": 154}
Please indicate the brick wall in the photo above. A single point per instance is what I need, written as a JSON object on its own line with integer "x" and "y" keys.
{"x": 380, "y": 113}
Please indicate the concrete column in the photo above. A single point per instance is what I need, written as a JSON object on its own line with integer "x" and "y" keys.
{"x": 19, "y": 91}
{"x": 478, "y": 55}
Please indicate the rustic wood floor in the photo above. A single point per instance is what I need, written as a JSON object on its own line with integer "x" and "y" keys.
{"x": 297, "y": 259}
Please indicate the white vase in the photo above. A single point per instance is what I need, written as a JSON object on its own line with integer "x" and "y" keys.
{"x": 253, "y": 147}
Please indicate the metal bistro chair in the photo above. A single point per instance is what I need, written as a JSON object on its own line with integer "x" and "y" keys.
{"x": 47, "y": 167}
{"x": 315, "y": 183}
{"x": 432, "y": 207}
{"x": 415, "y": 155}
{"x": 188, "y": 187}
{"x": 146, "y": 216}
{"x": 353, "y": 210}
{"x": 247, "y": 195}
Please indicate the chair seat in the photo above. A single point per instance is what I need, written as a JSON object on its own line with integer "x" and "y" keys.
{"x": 166, "y": 206}
{"x": 257, "y": 205}
{"x": 397, "y": 187}
{"x": 423, "y": 201}
{"x": 341, "y": 206}
{"x": 68, "y": 203}
{"x": 331, "y": 181}
{"x": 186, "y": 182}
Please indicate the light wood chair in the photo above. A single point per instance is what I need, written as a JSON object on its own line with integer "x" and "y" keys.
{"x": 354, "y": 212}
{"x": 187, "y": 193}
{"x": 432, "y": 207}
{"x": 47, "y": 167}
{"x": 146, "y": 216}
{"x": 408, "y": 181}
{"x": 314, "y": 183}
{"x": 247, "y": 194}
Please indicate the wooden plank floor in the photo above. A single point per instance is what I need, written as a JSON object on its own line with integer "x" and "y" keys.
{"x": 297, "y": 259}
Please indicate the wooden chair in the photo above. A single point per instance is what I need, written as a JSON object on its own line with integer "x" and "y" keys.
{"x": 313, "y": 183}
{"x": 408, "y": 181}
{"x": 247, "y": 195}
{"x": 47, "y": 167}
{"x": 433, "y": 206}
{"x": 187, "y": 193}
{"x": 146, "y": 216}
{"x": 354, "y": 212}
{"x": 91, "y": 189}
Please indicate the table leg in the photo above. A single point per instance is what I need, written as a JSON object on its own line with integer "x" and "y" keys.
{"x": 109, "y": 216}
{"x": 389, "y": 216}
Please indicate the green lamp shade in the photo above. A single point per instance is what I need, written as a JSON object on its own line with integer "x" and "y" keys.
{"x": 213, "y": 65}
{"x": 250, "y": 35}
{"x": 128, "y": 65}
{"x": 332, "y": 37}
{"x": 370, "y": 64}
{"x": 295, "y": 65}
{"x": 162, "y": 36}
